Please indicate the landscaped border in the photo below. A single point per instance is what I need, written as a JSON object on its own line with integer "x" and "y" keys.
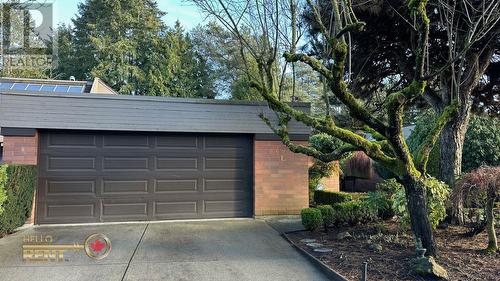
{"x": 332, "y": 274}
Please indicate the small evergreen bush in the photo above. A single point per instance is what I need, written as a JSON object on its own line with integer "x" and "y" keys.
{"x": 311, "y": 218}
{"x": 323, "y": 197}
{"x": 327, "y": 214}
{"x": 352, "y": 213}
{"x": 20, "y": 181}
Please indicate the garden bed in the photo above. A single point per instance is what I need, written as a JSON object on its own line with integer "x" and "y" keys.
{"x": 461, "y": 256}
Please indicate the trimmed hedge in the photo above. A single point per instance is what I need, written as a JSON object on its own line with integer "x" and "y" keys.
{"x": 19, "y": 186}
{"x": 352, "y": 213}
{"x": 311, "y": 218}
{"x": 323, "y": 197}
{"x": 327, "y": 213}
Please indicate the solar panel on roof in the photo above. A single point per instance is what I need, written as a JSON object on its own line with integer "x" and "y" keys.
{"x": 6, "y": 85}
{"x": 20, "y": 86}
{"x": 34, "y": 87}
{"x": 61, "y": 89}
{"x": 58, "y": 88}
{"x": 48, "y": 88}
{"x": 75, "y": 89}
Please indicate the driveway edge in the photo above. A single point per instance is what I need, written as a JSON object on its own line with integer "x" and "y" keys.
{"x": 330, "y": 273}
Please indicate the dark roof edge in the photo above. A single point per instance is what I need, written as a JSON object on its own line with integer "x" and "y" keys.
{"x": 149, "y": 98}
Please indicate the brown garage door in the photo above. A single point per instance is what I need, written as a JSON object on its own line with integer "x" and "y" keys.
{"x": 99, "y": 177}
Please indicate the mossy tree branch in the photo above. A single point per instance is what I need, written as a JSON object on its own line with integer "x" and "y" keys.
{"x": 372, "y": 149}
{"x": 396, "y": 103}
{"x": 282, "y": 132}
{"x": 339, "y": 87}
{"x": 314, "y": 63}
{"x": 419, "y": 7}
{"x": 353, "y": 27}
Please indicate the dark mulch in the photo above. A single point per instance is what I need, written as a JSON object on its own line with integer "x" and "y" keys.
{"x": 461, "y": 256}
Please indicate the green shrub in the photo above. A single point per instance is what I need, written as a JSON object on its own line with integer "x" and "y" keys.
{"x": 311, "y": 218}
{"x": 327, "y": 214}
{"x": 352, "y": 213}
{"x": 19, "y": 190}
{"x": 3, "y": 181}
{"x": 323, "y": 197}
{"x": 380, "y": 203}
{"x": 390, "y": 186}
{"x": 326, "y": 143}
{"x": 358, "y": 196}
{"x": 437, "y": 196}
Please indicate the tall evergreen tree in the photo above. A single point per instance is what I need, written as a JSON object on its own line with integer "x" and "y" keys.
{"x": 126, "y": 44}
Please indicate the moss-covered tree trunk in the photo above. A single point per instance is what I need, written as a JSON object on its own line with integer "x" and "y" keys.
{"x": 451, "y": 147}
{"x": 490, "y": 219}
{"x": 453, "y": 134}
{"x": 416, "y": 194}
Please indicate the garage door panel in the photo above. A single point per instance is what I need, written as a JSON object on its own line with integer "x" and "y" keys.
{"x": 71, "y": 163}
{"x": 176, "y": 185}
{"x": 125, "y": 163}
{"x": 55, "y": 210}
{"x": 71, "y": 187}
{"x": 118, "y": 141}
{"x": 123, "y": 176}
{"x": 64, "y": 140}
{"x": 175, "y": 209}
{"x": 133, "y": 187}
{"x": 177, "y": 163}
{"x": 177, "y": 142}
{"x": 120, "y": 208}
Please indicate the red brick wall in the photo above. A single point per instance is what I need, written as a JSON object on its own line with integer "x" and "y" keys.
{"x": 280, "y": 179}
{"x": 20, "y": 150}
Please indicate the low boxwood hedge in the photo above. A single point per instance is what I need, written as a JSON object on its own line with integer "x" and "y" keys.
{"x": 323, "y": 197}
{"x": 311, "y": 218}
{"x": 352, "y": 213}
{"x": 17, "y": 183}
{"x": 327, "y": 213}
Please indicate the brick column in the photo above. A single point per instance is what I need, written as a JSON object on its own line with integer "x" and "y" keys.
{"x": 20, "y": 149}
{"x": 280, "y": 180}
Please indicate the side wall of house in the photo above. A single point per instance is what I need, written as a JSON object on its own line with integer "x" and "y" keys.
{"x": 280, "y": 179}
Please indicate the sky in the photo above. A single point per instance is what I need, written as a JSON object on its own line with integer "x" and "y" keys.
{"x": 186, "y": 13}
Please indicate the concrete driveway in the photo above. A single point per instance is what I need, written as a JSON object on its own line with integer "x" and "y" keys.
{"x": 204, "y": 250}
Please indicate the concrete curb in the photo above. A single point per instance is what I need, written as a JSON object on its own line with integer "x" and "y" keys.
{"x": 330, "y": 273}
